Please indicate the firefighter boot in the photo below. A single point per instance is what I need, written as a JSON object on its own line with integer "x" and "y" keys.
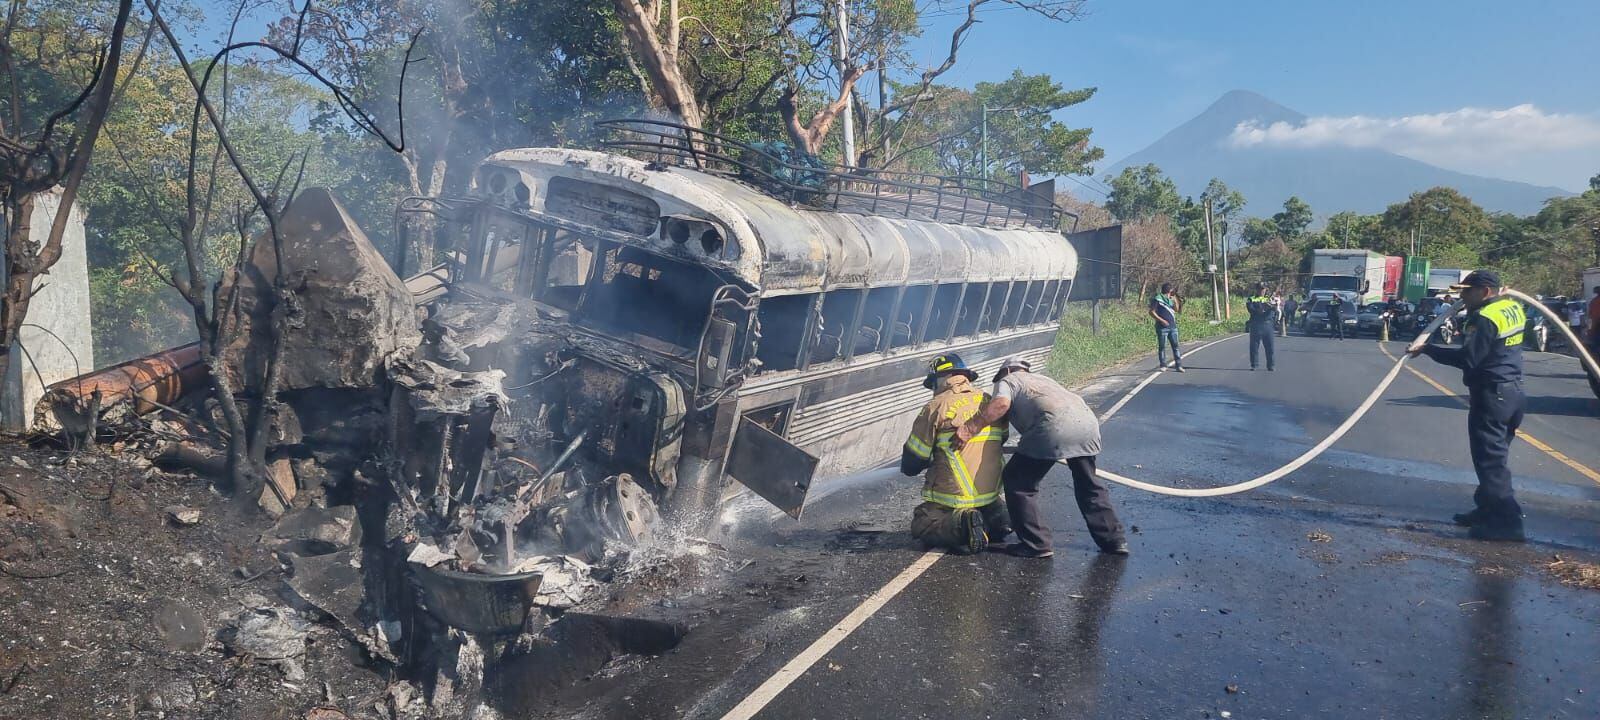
{"x": 977, "y": 536}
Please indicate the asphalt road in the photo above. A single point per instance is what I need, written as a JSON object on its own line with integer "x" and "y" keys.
{"x": 1340, "y": 591}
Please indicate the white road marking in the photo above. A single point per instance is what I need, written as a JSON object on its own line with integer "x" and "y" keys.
{"x": 759, "y": 698}
{"x": 1152, "y": 378}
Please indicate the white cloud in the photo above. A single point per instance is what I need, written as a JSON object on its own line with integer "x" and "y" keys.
{"x": 1520, "y": 142}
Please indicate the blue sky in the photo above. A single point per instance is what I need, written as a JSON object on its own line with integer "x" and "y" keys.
{"x": 1408, "y": 68}
{"x": 1496, "y": 88}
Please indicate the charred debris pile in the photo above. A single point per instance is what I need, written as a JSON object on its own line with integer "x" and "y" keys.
{"x": 444, "y": 474}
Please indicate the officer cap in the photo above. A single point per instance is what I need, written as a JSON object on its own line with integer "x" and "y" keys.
{"x": 1479, "y": 278}
{"x": 950, "y": 364}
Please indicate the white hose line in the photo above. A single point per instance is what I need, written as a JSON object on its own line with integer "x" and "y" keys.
{"x": 1587, "y": 359}
{"x": 1584, "y": 356}
{"x": 1307, "y": 456}
{"x": 1292, "y": 466}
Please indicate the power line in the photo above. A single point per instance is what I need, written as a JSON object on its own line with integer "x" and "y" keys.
{"x": 1086, "y": 187}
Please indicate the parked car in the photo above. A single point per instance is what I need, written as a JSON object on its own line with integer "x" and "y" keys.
{"x": 1317, "y": 319}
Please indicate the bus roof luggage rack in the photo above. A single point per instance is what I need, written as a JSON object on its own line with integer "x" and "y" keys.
{"x": 798, "y": 178}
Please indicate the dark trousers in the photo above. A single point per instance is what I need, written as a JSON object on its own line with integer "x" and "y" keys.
{"x": 1492, "y": 420}
{"x": 1021, "y": 478}
{"x": 1336, "y": 325}
{"x": 940, "y": 527}
{"x": 1165, "y": 336}
{"x": 1261, "y": 336}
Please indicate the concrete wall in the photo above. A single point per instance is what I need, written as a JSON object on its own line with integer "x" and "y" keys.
{"x": 57, "y": 343}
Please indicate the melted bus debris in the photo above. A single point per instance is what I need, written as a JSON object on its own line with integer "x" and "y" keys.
{"x": 558, "y": 400}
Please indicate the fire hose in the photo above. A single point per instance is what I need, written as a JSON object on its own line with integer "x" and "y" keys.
{"x": 1588, "y": 361}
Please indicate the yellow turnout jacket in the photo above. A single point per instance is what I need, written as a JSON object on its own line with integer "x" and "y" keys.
{"x": 965, "y": 478}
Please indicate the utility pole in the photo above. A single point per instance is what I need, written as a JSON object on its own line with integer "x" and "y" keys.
{"x": 983, "y": 136}
{"x": 983, "y": 143}
{"x": 1227, "y": 305}
{"x": 849, "y": 106}
{"x": 1211, "y": 265}
{"x": 1594, "y": 234}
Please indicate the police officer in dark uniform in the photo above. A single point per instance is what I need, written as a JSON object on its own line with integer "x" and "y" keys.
{"x": 1490, "y": 358}
{"x": 1262, "y": 324}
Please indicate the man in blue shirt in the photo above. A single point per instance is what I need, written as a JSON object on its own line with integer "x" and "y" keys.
{"x": 1164, "y": 309}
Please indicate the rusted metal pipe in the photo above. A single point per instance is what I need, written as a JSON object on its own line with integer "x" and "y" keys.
{"x": 137, "y": 386}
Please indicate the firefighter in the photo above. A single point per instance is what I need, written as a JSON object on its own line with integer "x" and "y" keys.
{"x": 1490, "y": 358}
{"x": 1056, "y": 426}
{"x": 1262, "y": 324}
{"x": 961, "y": 508}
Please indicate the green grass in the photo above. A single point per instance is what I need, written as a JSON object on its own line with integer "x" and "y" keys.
{"x": 1126, "y": 332}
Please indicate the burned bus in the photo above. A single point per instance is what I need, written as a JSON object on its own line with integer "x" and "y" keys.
{"x": 691, "y": 308}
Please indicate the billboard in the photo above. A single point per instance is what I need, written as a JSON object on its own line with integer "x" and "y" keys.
{"x": 1099, "y": 264}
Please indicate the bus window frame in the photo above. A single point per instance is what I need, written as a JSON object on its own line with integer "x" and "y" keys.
{"x": 948, "y": 331}
{"x": 991, "y": 325}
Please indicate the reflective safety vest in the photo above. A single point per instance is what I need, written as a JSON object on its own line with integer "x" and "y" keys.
{"x": 1509, "y": 319}
{"x": 965, "y": 478}
{"x": 1261, "y": 310}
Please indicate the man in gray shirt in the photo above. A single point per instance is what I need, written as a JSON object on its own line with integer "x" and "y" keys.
{"x": 1055, "y": 425}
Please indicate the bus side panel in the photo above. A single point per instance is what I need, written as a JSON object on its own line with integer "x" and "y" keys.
{"x": 865, "y": 428}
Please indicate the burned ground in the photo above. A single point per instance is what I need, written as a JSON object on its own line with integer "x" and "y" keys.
{"x": 112, "y": 607}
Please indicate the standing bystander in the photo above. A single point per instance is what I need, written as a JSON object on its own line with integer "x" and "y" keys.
{"x": 1164, "y": 309}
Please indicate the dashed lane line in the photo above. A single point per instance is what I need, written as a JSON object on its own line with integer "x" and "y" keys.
{"x": 1538, "y": 444}
{"x": 1150, "y": 379}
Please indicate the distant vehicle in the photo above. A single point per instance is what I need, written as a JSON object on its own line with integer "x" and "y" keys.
{"x": 1370, "y": 317}
{"x": 1394, "y": 271}
{"x": 1414, "y": 282}
{"x": 1427, "y": 310}
{"x": 1440, "y": 279}
{"x": 1536, "y": 333}
{"x": 1557, "y": 304}
{"x": 1353, "y": 275}
{"x": 1317, "y": 319}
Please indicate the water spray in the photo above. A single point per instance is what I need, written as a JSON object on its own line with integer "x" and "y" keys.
{"x": 1587, "y": 359}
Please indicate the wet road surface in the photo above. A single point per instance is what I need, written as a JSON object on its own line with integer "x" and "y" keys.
{"x": 1340, "y": 591}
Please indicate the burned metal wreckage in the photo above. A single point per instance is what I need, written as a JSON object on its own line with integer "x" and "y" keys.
{"x": 609, "y": 336}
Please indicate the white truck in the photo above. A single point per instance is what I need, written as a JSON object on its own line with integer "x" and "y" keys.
{"x": 1440, "y": 280}
{"x": 1354, "y": 275}
{"x": 1591, "y": 280}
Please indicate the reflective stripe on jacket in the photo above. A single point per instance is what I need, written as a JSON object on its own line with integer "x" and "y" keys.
{"x": 1263, "y": 312}
{"x": 965, "y": 478}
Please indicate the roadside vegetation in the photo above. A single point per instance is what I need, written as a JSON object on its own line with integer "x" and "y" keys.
{"x": 1127, "y": 332}
{"x": 1165, "y": 233}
